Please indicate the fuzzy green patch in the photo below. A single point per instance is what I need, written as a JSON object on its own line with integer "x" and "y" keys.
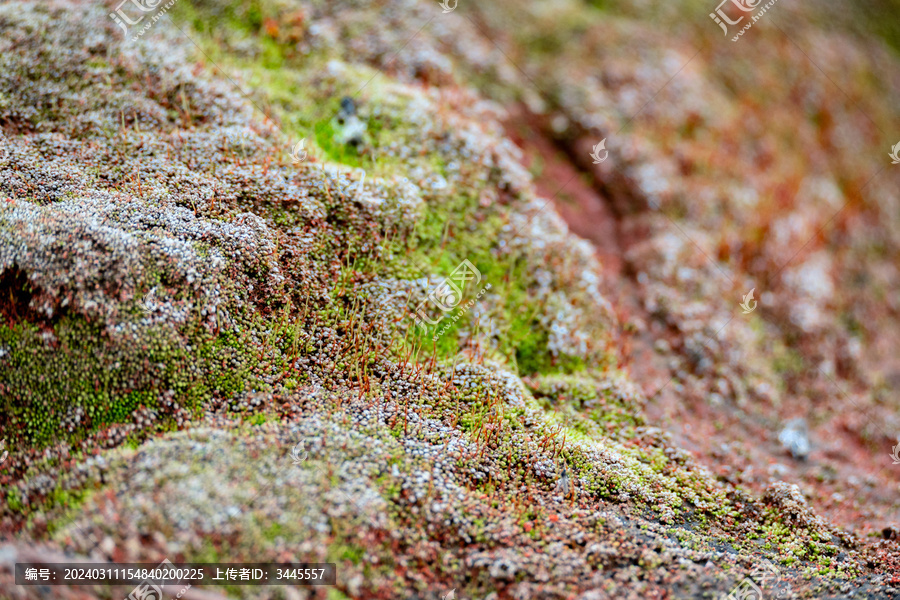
{"x": 79, "y": 380}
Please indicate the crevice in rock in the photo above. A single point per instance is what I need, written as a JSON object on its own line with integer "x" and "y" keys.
{"x": 16, "y": 300}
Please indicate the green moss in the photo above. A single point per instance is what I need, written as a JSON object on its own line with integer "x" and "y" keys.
{"x": 86, "y": 370}
{"x": 325, "y": 138}
{"x": 453, "y": 227}
{"x": 346, "y": 552}
{"x": 89, "y": 371}
{"x": 878, "y": 17}
{"x": 258, "y": 419}
{"x": 68, "y": 499}
{"x": 64, "y": 503}
{"x": 589, "y": 405}
{"x": 273, "y": 530}
{"x": 13, "y": 501}
{"x": 786, "y": 361}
